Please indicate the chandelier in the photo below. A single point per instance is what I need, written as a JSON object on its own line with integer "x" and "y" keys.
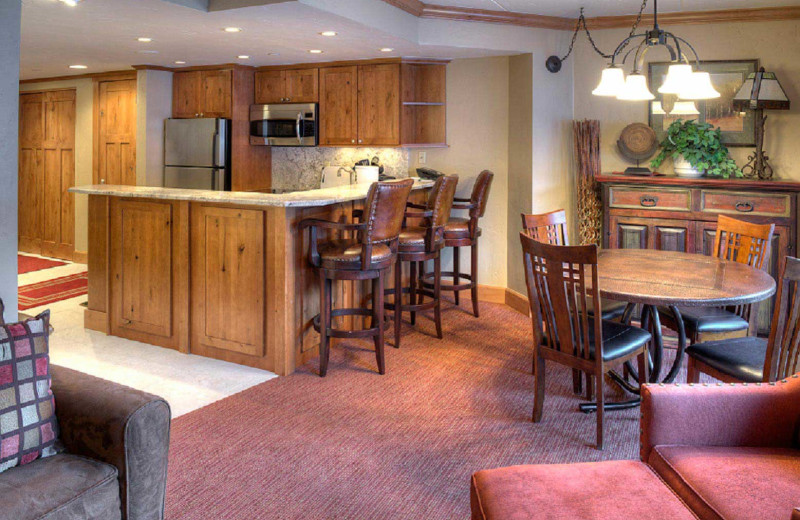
{"x": 684, "y": 78}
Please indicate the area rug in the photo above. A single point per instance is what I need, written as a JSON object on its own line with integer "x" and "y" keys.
{"x": 28, "y": 264}
{"x": 357, "y": 445}
{"x": 51, "y": 291}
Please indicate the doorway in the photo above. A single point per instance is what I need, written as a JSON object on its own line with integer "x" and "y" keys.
{"x": 115, "y": 124}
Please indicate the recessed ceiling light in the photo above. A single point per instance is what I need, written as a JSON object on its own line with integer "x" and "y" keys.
{"x": 144, "y": 40}
{"x": 78, "y": 67}
{"x": 179, "y": 62}
{"x": 232, "y": 29}
{"x": 243, "y": 57}
{"x": 315, "y": 51}
{"x": 71, "y": 3}
{"x": 387, "y": 49}
{"x": 328, "y": 33}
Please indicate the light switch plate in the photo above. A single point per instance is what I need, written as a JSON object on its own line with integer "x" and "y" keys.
{"x": 423, "y": 157}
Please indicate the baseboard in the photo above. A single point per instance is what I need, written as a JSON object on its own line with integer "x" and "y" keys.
{"x": 95, "y": 320}
{"x": 510, "y": 297}
{"x": 80, "y": 257}
{"x": 517, "y": 302}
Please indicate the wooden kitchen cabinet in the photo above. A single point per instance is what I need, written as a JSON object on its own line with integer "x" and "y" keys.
{"x": 338, "y": 106}
{"x": 379, "y": 105}
{"x": 287, "y": 86}
{"x": 674, "y": 214}
{"x": 202, "y": 93}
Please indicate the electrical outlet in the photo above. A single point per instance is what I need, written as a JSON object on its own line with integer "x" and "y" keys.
{"x": 423, "y": 156}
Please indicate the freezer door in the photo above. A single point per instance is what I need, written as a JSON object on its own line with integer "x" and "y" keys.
{"x": 195, "y": 142}
{"x": 195, "y": 178}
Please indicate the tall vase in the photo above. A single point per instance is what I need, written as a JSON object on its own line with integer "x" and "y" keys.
{"x": 587, "y": 157}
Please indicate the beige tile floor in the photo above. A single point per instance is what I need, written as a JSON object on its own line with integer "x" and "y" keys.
{"x": 187, "y": 382}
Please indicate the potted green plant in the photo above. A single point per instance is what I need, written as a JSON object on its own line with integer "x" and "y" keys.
{"x": 696, "y": 150}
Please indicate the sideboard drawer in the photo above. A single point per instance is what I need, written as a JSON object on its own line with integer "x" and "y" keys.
{"x": 746, "y": 203}
{"x": 625, "y": 197}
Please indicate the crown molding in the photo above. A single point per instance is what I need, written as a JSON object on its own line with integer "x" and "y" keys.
{"x": 97, "y": 76}
{"x": 464, "y": 14}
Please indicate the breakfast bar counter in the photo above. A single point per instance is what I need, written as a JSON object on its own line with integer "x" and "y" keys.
{"x": 216, "y": 274}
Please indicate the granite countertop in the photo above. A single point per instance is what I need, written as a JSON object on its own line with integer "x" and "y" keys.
{"x": 297, "y": 199}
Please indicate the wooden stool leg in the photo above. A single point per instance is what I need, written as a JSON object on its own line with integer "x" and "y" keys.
{"x": 474, "y": 251}
{"x": 398, "y": 301}
{"x": 456, "y": 271}
{"x": 377, "y": 321}
{"x": 324, "y": 322}
{"x": 600, "y": 428}
{"x": 437, "y": 294}
{"x": 412, "y": 283}
{"x": 421, "y": 295}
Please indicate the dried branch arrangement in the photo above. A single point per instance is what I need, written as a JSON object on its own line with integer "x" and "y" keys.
{"x": 587, "y": 158}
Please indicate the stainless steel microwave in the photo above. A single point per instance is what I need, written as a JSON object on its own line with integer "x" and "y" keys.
{"x": 292, "y": 124}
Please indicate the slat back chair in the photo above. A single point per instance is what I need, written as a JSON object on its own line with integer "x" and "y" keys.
{"x": 550, "y": 228}
{"x": 561, "y": 281}
{"x": 783, "y": 347}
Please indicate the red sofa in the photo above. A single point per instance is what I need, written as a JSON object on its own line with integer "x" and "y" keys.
{"x": 707, "y": 451}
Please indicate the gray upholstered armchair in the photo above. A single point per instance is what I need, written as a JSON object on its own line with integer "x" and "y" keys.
{"x": 114, "y": 464}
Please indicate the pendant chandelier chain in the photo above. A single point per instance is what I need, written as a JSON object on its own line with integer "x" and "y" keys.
{"x": 581, "y": 23}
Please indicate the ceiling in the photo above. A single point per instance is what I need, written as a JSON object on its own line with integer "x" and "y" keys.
{"x": 102, "y": 34}
{"x": 570, "y": 8}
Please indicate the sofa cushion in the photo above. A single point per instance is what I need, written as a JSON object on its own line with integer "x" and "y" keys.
{"x": 732, "y": 483}
{"x": 28, "y": 425}
{"x": 615, "y": 489}
{"x": 62, "y": 487}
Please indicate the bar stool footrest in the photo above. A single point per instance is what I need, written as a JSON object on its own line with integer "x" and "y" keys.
{"x": 363, "y": 333}
{"x": 428, "y": 284}
{"x": 407, "y": 306}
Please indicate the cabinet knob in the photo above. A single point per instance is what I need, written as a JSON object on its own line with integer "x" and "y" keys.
{"x": 201, "y": 114}
{"x": 648, "y": 201}
{"x": 360, "y": 141}
{"x": 352, "y": 140}
{"x": 197, "y": 115}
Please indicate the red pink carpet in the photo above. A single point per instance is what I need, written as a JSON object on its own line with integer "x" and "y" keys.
{"x": 357, "y": 445}
{"x": 51, "y": 291}
{"x": 28, "y": 264}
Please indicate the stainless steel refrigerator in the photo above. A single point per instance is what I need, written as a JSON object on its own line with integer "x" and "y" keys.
{"x": 197, "y": 154}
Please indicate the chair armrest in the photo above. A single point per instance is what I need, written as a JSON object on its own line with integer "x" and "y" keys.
{"x": 121, "y": 426}
{"x": 464, "y": 206}
{"x": 457, "y": 199}
{"x": 415, "y": 205}
{"x": 419, "y": 214}
{"x": 754, "y": 415}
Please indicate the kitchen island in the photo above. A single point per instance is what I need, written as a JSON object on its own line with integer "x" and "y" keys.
{"x": 217, "y": 274}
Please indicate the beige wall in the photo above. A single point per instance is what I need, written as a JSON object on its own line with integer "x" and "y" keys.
{"x": 84, "y": 136}
{"x": 477, "y": 131}
{"x": 776, "y": 44}
{"x": 153, "y": 106}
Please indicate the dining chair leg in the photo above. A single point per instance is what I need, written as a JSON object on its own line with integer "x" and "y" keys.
{"x": 692, "y": 374}
{"x": 377, "y": 321}
{"x": 600, "y": 376}
{"x": 474, "y": 252}
{"x": 398, "y": 301}
{"x": 538, "y": 388}
{"x": 589, "y": 387}
{"x": 577, "y": 381}
{"x": 456, "y": 271}
{"x": 644, "y": 363}
{"x": 437, "y": 295}
{"x": 324, "y": 323}
{"x": 412, "y": 282}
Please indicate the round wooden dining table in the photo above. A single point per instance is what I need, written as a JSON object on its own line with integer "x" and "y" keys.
{"x": 655, "y": 278}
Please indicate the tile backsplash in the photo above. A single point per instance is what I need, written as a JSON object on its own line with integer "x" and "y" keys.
{"x": 301, "y": 168}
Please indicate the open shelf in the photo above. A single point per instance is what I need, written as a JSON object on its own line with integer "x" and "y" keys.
{"x": 423, "y": 117}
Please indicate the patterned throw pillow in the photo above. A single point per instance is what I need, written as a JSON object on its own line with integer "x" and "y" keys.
{"x": 28, "y": 427}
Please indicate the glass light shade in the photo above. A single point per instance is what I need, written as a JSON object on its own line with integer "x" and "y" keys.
{"x": 677, "y": 77}
{"x": 657, "y": 108}
{"x": 769, "y": 93}
{"x": 684, "y": 108}
{"x": 611, "y": 82}
{"x": 635, "y": 89}
{"x": 698, "y": 87}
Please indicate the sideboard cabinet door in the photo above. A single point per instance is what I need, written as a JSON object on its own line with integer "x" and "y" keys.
{"x": 648, "y": 233}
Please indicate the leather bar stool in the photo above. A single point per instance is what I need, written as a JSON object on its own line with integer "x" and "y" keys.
{"x": 367, "y": 257}
{"x": 417, "y": 244}
{"x": 464, "y": 232}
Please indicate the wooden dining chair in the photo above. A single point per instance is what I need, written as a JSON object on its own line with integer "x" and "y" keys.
{"x": 751, "y": 359}
{"x": 738, "y": 241}
{"x": 561, "y": 280}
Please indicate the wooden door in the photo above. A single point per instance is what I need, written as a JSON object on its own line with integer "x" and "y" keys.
{"x": 31, "y": 173}
{"x": 338, "y": 106}
{"x": 186, "y": 94}
{"x": 227, "y": 281}
{"x": 58, "y": 156}
{"x": 141, "y": 267}
{"x": 270, "y": 86}
{"x": 46, "y": 173}
{"x": 115, "y": 142}
{"x": 379, "y": 105}
{"x": 217, "y": 91}
{"x": 302, "y": 86}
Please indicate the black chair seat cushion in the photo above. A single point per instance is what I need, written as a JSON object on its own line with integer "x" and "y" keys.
{"x": 707, "y": 319}
{"x": 62, "y": 486}
{"x": 346, "y": 254}
{"x": 612, "y": 309}
{"x": 619, "y": 340}
{"x": 742, "y": 358}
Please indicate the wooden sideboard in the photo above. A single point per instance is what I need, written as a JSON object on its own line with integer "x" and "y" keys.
{"x": 675, "y": 214}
